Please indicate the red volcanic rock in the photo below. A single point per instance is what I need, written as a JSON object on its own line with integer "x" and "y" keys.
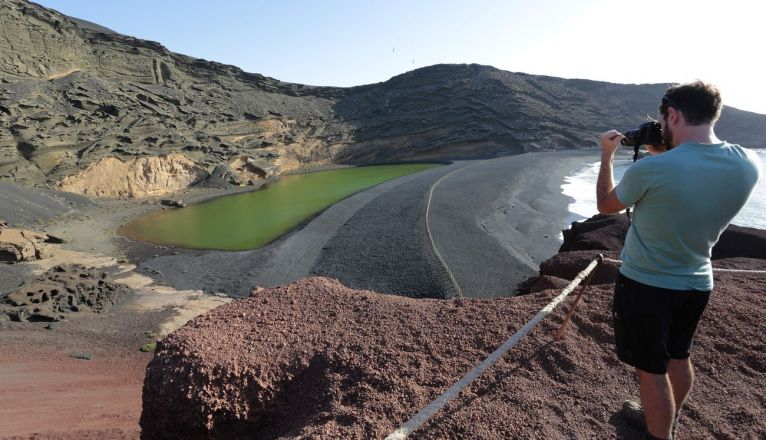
{"x": 568, "y": 264}
{"x": 600, "y": 232}
{"x": 316, "y": 359}
{"x": 572, "y": 389}
{"x": 739, "y": 241}
{"x": 607, "y": 232}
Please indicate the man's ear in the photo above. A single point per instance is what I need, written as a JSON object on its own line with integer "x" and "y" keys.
{"x": 674, "y": 116}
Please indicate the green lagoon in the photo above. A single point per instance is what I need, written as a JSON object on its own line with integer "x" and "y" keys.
{"x": 253, "y": 219}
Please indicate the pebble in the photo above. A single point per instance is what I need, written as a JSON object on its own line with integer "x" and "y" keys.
{"x": 82, "y": 355}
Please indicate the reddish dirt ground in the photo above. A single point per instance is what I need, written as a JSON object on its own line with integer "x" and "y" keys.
{"x": 45, "y": 393}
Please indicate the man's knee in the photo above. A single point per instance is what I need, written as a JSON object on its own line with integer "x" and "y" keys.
{"x": 651, "y": 377}
{"x": 680, "y": 363}
{"x": 680, "y": 367}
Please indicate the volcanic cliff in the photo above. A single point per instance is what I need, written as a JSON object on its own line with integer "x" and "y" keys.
{"x": 72, "y": 92}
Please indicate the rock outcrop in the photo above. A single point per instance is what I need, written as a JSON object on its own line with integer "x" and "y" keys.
{"x": 110, "y": 177}
{"x": 738, "y": 246}
{"x": 312, "y": 359}
{"x": 61, "y": 293}
{"x": 173, "y": 203}
{"x": 18, "y": 245}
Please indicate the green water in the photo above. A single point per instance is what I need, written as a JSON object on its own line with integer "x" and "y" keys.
{"x": 254, "y": 219}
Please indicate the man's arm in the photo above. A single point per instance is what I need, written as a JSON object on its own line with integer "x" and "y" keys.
{"x": 607, "y": 201}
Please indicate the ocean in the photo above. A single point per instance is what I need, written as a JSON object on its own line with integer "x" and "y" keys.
{"x": 581, "y": 186}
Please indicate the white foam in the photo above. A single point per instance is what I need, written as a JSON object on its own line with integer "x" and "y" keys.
{"x": 581, "y": 186}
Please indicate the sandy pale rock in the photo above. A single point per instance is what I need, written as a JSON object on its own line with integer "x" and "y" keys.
{"x": 111, "y": 177}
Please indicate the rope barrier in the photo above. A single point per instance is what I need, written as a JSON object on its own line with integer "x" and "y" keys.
{"x": 424, "y": 414}
{"x": 715, "y": 269}
{"x": 599, "y": 260}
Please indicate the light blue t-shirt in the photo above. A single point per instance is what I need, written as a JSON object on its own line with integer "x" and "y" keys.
{"x": 683, "y": 200}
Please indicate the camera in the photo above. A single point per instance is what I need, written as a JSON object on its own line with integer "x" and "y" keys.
{"x": 649, "y": 133}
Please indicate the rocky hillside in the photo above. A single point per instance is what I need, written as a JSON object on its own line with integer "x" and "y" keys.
{"x": 73, "y": 92}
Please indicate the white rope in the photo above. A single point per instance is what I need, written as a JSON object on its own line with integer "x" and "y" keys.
{"x": 421, "y": 417}
{"x": 715, "y": 269}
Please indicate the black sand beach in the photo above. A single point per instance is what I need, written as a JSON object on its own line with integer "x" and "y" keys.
{"x": 491, "y": 222}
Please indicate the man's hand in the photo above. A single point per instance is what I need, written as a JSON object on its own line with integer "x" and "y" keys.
{"x": 610, "y": 140}
{"x": 606, "y": 198}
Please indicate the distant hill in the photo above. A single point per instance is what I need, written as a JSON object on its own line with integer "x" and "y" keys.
{"x": 72, "y": 92}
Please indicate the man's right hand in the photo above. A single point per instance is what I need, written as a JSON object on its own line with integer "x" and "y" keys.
{"x": 610, "y": 140}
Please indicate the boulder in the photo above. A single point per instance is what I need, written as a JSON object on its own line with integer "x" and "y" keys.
{"x": 23, "y": 245}
{"x": 173, "y": 203}
{"x": 567, "y": 265}
{"x": 739, "y": 241}
{"x": 222, "y": 174}
{"x": 607, "y": 232}
{"x": 738, "y": 247}
{"x": 600, "y": 232}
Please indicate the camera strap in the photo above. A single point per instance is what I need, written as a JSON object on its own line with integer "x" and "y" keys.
{"x": 635, "y": 158}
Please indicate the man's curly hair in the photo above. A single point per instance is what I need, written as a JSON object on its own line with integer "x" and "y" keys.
{"x": 699, "y": 102}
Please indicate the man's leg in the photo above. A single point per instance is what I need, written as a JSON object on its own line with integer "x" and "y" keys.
{"x": 681, "y": 376}
{"x": 657, "y": 401}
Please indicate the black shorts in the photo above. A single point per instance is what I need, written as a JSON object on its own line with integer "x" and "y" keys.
{"x": 653, "y": 325}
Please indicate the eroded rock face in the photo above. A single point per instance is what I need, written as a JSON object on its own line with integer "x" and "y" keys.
{"x": 110, "y": 177}
{"x": 247, "y": 170}
{"x": 63, "y": 292}
{"x": 72, "y": 93}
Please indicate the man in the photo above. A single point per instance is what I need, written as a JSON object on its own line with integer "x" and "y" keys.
{"x": 684, "y": 195}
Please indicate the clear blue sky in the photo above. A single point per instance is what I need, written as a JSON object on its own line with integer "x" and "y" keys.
{"x": 345, "y": 43}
